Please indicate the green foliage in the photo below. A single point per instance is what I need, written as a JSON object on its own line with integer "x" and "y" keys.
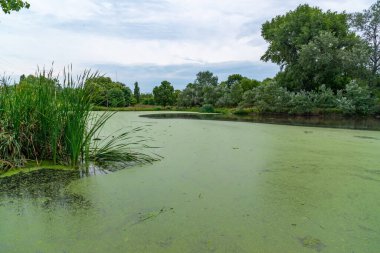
{"x": 288, "y": 33}
{"x": 300, "y": 103}
{"x": 205, "y": 79}
{"x": 367, "y": 23}
{"x": 105, "y": 92}
{"x": 207, "y": 108}
{"x": 128, "y": 97}
{"x": 328, "y": 60}
{"x": 147, "y": 99}
{"x": 136, "y": 92}
{"x": 272, "y": 98}
{"x": 43, "y": 119}
{"x": 164, "y": 94}
{"x": 248, "y": 84}
{"x": 356, "y": 99}
{"x": 202, "y": 91}
{"x": 13, "y": 5}
{"x": 314, "y": 48}
{"x": 267, "y": 98}
{"x": 324, "y": 98}
{"x": 116, "y": 97}
{"x": 190, "y": 96}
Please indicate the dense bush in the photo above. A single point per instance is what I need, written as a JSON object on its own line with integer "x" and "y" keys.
{"x": 207, "y": 108}
{"x": 272, "y": 98}
{"x": 267, "y": 98}
{"x": 355, "y": 99}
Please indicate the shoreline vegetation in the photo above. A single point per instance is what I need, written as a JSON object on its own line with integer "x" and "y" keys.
{"x": 318, "y": 113}
{"x": 329, "y": 65}
{"x": 47, "y": 118}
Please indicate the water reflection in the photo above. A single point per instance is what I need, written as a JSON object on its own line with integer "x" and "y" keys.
{"x": 46, "y": 188}
{"x": 362, "y": 123}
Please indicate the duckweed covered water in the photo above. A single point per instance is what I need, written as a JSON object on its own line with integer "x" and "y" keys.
{"x": 221, "y": 187}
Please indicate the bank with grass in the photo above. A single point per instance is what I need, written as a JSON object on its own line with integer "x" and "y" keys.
{"x": 45, "y": 118}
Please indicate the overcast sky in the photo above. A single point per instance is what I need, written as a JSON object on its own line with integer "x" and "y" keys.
{"x": 146, "y": 40}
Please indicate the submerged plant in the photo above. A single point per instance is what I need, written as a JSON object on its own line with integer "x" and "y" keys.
{"x": 43, "y": 118}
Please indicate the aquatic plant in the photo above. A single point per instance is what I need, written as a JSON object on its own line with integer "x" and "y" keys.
{"x": 45, "y": 117}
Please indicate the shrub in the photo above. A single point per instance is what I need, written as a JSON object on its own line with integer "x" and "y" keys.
{"x": 207, "y": 108}
{"x": 300, "y": 103}
{"x": 355, "y": 99}
{"x": 268, "y": 98}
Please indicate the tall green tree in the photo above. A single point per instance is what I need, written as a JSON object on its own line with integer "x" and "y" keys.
{"x": 164, "y": 94}
{"x": 367, "y": 23}
{"x": 291, "y": 34}
{"x": 13, "y": 5}
{"x": 330, "y": 61}
{"x": 136, "y": 92}
{"x": 105, "y": 92}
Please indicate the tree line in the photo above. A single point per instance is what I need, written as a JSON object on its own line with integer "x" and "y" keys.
{"x": 329, "y": 62}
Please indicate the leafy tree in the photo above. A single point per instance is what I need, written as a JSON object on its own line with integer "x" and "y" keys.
{"x": 328, "y": 60}
{"x": 248, "y": 84}
{"x": 206, "y": 78}
{"x": 136, "y": 92}
{"x": 288, "y": 33}
{"x": 233, "y": 79}
{"x": 103, "y": 92}
{"x": 189, "y": 96}
{"x": 355, "y": 99}
{"x": 147, "y": 99}
{"x": 204, "y": 90}
{"x": 127, "y": 93}
{"x": 164, "y": 94}
{"x": 367, "y": 23}
{"x": 13, "y": 5}
{"x": 268, "y": 98}
{"x": 205, "y": 87}
{"x": 115, "y": 97}
{"x": 307, "y": 31}
{"x": 177, "y": 93}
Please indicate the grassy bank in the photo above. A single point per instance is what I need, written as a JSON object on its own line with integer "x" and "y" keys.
{"x": 45, "y": 119}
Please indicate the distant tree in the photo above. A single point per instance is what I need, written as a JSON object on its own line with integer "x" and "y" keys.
{"x": 367, "y": 23}
{"x": 127, "y": 93}
{"x": 204, "y": 90}
{"x": 249, "y": 84}
{"x": 103, "y": 92}
{"x": 136, "y": 92}
{"x": 164, "y": 94}
{"x": 115, "y": 97}
{"x": 205, "y": 87}
{"x": 187, "y": 97}
{"x": 232, "y": 79}
{"x": 177, "y": 93}
{"x": 13, "y": 5}
{"x": 147, "y": 99}
{"x": 206, "y": 78}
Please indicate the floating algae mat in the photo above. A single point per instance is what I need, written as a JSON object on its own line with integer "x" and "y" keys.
{"x": 221, "y": 187}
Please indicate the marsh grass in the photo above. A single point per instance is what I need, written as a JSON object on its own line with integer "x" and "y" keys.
{"x": 45, "y": 119}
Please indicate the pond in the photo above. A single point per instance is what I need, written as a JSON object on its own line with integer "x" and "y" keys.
{"x": 221, "y": 187}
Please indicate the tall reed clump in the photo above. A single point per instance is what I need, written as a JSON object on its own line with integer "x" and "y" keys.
{"x": 43, "y": 119}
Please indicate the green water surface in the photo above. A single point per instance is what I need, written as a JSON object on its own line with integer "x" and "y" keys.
{"x": 221, "y": 187}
